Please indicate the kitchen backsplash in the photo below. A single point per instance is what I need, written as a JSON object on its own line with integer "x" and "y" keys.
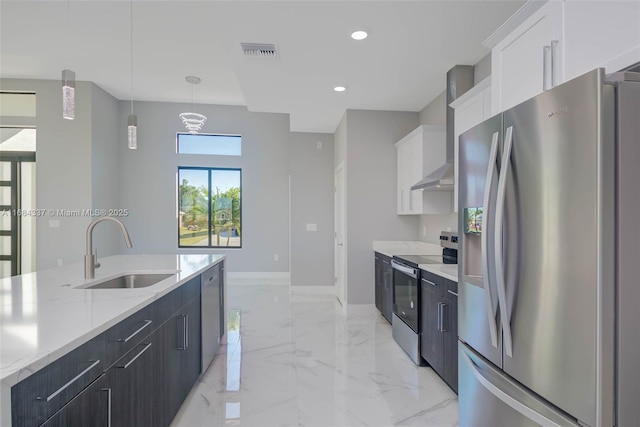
{"x": 432, "y": 225}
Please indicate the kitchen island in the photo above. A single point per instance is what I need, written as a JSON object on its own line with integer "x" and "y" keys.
{"x": 49, "y": 316}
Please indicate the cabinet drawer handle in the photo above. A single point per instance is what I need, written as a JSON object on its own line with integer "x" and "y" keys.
{"x": 451, "y": 292}
{"x": 431, "y": 283}
{"x": 146, "y": 323}
{"x": 108, "y": 390}
{"x": 146, "y": 347}
{"x": 184, "y": 331}
{"x": 73, "y": 380}
{"x": 442, "y": 322}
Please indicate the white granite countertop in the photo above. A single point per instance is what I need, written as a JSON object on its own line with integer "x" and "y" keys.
{"x": 448, "y": 271}
{"x": 43, "y": 315}
{"x": 391, "y": 248}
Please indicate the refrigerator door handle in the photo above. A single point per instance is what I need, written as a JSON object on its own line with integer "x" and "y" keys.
{"x": 509, "y": 394}
{"x": 491, "y": 173}
{"x": 499, "y": 261}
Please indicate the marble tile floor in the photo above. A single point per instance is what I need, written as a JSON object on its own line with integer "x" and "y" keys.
{"x": 298, "y": 360}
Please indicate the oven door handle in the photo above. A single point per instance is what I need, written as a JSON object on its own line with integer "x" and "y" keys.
{"x": 412, "y": 272}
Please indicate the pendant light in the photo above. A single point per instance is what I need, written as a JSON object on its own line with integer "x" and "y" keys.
{"x": 193, "y": 121}
{"x": 68, "y": 82}
{"x": 132, "y": 122}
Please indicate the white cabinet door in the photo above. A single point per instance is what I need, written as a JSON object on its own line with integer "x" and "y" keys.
{"x": 468, "y": 113}
{"x": 402, "y": 157}
{"x": 601, "y": 34}
{"x": 418, "y": 154}
{"x": 415, "y": 147}
{"x": 518, "y": 64}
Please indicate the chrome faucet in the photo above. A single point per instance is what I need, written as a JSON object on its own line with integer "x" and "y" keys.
{"x": 89, "y": 259}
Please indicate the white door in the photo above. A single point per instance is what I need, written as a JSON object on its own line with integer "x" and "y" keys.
{"x": 339, "y": 235}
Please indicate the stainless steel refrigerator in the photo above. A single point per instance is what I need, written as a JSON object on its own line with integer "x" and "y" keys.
{"x": 549, "y": 276}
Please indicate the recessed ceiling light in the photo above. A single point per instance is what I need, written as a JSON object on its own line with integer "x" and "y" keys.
{"x": 339, "y": 88}
{"x": 359, "y": 35}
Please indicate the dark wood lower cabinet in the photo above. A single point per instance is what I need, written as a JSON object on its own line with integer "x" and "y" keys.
{"x": 387, "y": 288}
{"x": 378, "y": 281}
{"x": 439, "y": 326}
{"x": 131, "y": 383}
{"x": 144, "y": 387}
{"x": 383, "y": 285}
{"x": 89, "y": 408}
{"x": 431, "y": 339}
{"x": 450, "y": 342}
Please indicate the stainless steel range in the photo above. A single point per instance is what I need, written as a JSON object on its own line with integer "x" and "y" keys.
{"x": 406, "y": 293}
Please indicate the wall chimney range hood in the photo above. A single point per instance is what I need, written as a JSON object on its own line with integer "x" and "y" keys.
{"x": 440, "y": 179}
{"x": 459, "y": 80}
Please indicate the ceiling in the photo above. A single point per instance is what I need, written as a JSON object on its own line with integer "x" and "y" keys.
{"x": 401, "y": 65}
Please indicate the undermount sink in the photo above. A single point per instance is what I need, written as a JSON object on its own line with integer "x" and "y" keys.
{"x": 131, "y": 281}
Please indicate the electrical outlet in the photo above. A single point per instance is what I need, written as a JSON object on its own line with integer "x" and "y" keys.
{"x": 54, "y": 223}
{"x": 424, "y": 230}
{"x": 319, "y": 145}
{"x": 312, "y": 227}
{"x": 59, "y": 262}
{"x": 276, "y": 257}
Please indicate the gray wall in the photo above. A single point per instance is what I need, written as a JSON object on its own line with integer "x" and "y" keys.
{"x": 435, "y": 112}
{"x": 149, "y": 187}
{"x": 371, "y": 184}
{"x": 340, "y": 142}
{"x": 106, "y": 137}
{"x": 63, "y": 177}
{"x": 311, "y": 171}
{"x": 482, "y": 69}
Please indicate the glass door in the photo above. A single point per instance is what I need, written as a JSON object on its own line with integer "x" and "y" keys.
{"x": 17, "y": 200}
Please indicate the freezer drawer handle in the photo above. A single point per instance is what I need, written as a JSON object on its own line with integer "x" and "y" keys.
{"x": 507, "y": 399}
{"x": 488, "y": 289}
{"x": 497, "y": 242}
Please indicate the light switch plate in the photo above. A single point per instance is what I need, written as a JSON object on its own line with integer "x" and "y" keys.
{"x": 312, "y": 227}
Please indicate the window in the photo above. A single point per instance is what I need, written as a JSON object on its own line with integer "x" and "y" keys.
{"x": 209, "y": 207}
{"x": 221, "y": 145}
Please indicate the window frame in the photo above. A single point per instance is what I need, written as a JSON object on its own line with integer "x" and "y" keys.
{"x": 207, "y": 134}
{"x": 210, "y": 212}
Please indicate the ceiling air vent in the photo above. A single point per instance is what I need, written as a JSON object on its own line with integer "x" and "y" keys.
{"x": 260, "y": 50}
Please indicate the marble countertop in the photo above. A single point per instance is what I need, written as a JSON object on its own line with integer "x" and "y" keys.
{"x": 44, "y": 315}
{"x": 448, "y": 271}
{"x": 391, "y": 248}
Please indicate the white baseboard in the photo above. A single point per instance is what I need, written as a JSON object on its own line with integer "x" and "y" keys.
{"x": 259, "y": 278}
{"x": 313, "y": 290}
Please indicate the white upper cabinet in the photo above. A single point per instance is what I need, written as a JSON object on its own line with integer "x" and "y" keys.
{"x": 418, "y": 154}
{"x": 545, "y": 44}
{"x": 471, "y": 108}
{"x": 601, "y": 34}
{"x": 528, "y": 59}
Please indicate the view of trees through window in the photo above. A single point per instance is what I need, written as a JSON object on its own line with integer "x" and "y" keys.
{"x": 209, "y": 207}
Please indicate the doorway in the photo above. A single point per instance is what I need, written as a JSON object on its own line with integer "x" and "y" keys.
{"x": 340, "y": 255}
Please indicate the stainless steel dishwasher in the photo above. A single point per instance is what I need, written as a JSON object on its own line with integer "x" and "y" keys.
{"x": 212, "y": 301}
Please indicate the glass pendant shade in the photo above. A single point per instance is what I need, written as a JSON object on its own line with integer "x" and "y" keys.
{"x": 132, "y": 131}
{"x": 68, "y": 94}
{"x": 193, "y": 121}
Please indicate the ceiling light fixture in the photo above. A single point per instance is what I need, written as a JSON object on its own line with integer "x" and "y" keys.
{"x": 193, "y": 121}
{"x": 339, "y": 88}
{"x": 68, "y": 82}
{"x": 132, "y": 122}
{"x": 359, "y": 35}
